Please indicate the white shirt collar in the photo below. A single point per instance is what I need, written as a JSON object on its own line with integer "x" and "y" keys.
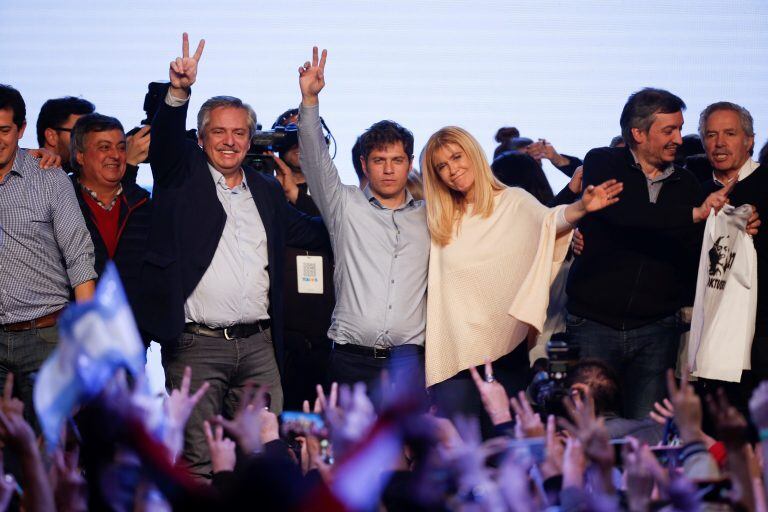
{"x": 220, "y": 181}
{"x": 745, "y": 170}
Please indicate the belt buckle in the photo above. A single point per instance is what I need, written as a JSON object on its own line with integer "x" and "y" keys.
{"x": 382, "y": 349}
{"x": 226, "y": 334}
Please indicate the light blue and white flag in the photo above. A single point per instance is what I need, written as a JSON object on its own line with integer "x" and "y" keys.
{"x": 96, "y": 339}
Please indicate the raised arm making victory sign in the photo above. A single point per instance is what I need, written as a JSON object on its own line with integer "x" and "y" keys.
{"x": 311, "y": 77}
{"x": 183, "y": 70}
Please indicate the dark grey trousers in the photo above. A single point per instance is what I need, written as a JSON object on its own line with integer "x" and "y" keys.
{"x": 227, "y": 365}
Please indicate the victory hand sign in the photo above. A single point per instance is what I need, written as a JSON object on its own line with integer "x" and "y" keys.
{"x": 312, "y": 78}
{"x": 183, "y": 70}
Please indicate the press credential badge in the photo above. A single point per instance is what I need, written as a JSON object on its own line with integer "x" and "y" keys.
{"x": 309, "y": 272}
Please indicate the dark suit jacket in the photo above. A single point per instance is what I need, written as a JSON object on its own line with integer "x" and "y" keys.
{"x": 188, "y": 221}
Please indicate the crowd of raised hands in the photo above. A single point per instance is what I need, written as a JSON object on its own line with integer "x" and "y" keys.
{"x": 422, "y": 462}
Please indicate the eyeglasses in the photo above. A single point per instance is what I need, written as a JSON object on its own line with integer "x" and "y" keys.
{"x": 61, "y": 129}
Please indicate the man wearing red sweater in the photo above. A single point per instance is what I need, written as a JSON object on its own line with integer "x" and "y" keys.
{"x": 116, "y": 210}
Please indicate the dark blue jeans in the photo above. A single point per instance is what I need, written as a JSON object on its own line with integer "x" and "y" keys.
{"x": 23, "y": 353}
{"x": 227, "y": 365}
{"x": 639, "y": 356}
{"x": 405, "y": 367}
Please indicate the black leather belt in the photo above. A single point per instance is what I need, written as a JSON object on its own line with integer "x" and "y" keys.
{"x": 377, "y": 352}
{"x": 232, "y": 332}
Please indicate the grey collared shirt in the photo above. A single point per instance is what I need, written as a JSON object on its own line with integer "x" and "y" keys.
{"x": 382, "y": 254}
{"x": 235, "y": 286}
{"x": 45, "y": 247}
{"x": 654, "y": 184}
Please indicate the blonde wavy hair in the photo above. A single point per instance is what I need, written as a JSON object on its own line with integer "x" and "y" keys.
{"x": 445, "y": 206}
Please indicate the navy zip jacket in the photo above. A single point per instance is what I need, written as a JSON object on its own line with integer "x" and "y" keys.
{"x": 640, "y": 258}
{"x": 133, "y": 230}
{"x": 188, "y": 221}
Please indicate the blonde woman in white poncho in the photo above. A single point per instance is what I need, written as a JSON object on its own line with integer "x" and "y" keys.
{"x": 495, "y": 251}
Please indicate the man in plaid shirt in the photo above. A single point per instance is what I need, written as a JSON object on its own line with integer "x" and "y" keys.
{"x": 45, "y": 252}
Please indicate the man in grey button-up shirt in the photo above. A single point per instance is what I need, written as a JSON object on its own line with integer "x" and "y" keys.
{"x": 380, "y": 241}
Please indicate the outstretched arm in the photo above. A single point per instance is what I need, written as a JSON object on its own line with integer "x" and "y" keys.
{"x": 594, "y": 198}
{"x": 322, "y": 177}
{"x": 168, "y": 133}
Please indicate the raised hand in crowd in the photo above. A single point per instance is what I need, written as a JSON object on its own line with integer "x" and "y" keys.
{"x": 17, "y": 435}
{"x": 758, "y": 408}
{"x": 312, "y": 77}
{"x": 527, "y": 421}
{"x": 492, "y": 394}
{"x": 48, "y": 159}
{"x": 554, "y": 450}
{"x": 178, "y": 407}
{"x": 686, "y": 407}
{"x": 352, "y": 419}
{"x": 70, "y": 489}
{"x": 731, "y": 429}
{"x": 574, "y": 464}
{"x": 270, "y": 427}
{"x": 183, "y": 70}
{"x": 137, "y": 146}
{"x": 246, "y": 427}
{"x": 638, "y": 476}
{"x": 664, "y": 411}
{"x": 591, "y": 431}
{"x": 323, "y": 403}
{"x": 222, "y": 448}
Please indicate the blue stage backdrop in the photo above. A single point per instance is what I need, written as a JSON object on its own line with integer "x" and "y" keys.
{"x": 555, "y": 69}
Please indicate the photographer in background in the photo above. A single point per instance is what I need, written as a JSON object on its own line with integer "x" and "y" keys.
{"x": 309, "y": 295}
{"x": 287, "y": 166}
{"x": 547, "y": 394}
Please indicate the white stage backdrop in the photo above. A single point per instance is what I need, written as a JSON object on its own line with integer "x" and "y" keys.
{"x": 555, "y": 69}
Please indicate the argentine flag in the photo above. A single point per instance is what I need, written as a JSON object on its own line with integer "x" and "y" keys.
{"x": 96, "y": 339}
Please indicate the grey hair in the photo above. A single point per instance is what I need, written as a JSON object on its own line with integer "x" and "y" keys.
{"x": 204, "y": 116}
{"x": 745, "y": 118}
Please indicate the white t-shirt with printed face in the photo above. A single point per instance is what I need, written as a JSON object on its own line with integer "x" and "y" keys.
{"x": 723, "y": 322}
